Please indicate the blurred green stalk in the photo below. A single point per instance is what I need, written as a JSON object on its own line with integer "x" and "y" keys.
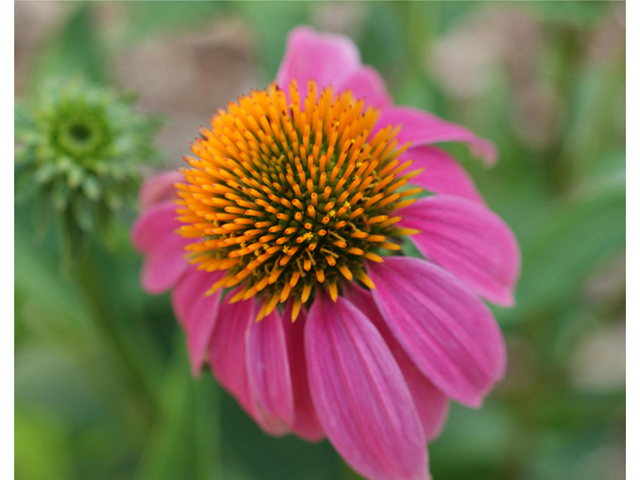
{"x": 88, "y": 279}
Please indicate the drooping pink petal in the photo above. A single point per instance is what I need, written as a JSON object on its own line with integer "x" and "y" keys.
{"x": 227, "y": 352}
{"x": 192, "y": 285}
{"x": 325, "y": 58}
{"x": 422, "y": 128}
{"x": 361, "y": 398}
{"x": 431, "y": 403}
{"x": 448, "y": 332}
{"x": 197, "y": 312}
{"x": 164, "y": 264}
{"x": 442, "y": 175}
{"x": 470, "y": 241}
{"x": 159, "y": 188}
{"x": 156, "y": 222}
{"x": 367, "y": 84}
{"x": 154, "y": 233}
{"x": 268, "y": 372}
{"x": 306, "y": 423}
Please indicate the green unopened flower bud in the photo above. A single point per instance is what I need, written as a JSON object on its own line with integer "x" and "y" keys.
{"x": 79, "y": 149}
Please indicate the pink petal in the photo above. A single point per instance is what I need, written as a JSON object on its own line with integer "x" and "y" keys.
{"x": 422, "y": 128}
{"x": 191, "y": 286}
{"x": 164, "y": 265}
{"x": 443, "y": 174}
{"x": 268, "y": 371}
{"x": 470, "y": 241}
{"x": 431, "y": 403}
{"x": 306, "y": 423}
{"x": 447, "y": 331}
{"x": 361, "y": 398}
{"x": 153, "y": 233}
{"x": 367, "y": 84}
{"x": 227, "y": 352}
{"x": 159, "y": 188}
{"x": 327, "y": 59}
{"x": 197, "y": 312}
{"x": 154, "y": 224}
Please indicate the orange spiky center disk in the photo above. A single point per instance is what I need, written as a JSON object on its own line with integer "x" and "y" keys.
{"x": 284, "y": 197}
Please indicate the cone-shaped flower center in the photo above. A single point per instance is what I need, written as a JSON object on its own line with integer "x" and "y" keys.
{"x": 80, "y": 133}
{"x": 286, "y": 196}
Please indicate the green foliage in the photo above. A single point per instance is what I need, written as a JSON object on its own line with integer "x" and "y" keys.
{"x": 103, "y": 388}
{"x": 272, "y": 21}
{"x": 183, "y": 443}
{"x": 572, "y": 242}
{"x": 42, "y": 450}
{"x": 161, "y": 18}
{"x": 75, "y": 49}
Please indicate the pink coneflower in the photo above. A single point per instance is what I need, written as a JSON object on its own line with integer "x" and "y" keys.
{"x": 282, "y": 243}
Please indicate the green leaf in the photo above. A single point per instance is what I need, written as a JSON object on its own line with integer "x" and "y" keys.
{"x": 23, "y": 120}
{"x": 55, "y": 378}
{"x": 596, "y": 123}
{"x": 576, "y": 13}
{"x": 60, "y": 196}
{"x": 570, "y": 242}
{"x": 41, "y": 446}
{"x": 91, "y": 188}
{"x": 246, "y": 447}
{"x": 36, "y": 278}
{"x": 160, "y": 18}
{"x": 473, "y": 441}
{"x": 76, "y": 50}
{"x": 185, "y": 439}
{"x": 273, "y": 21}
{"x": 82, "y": 211}
{"x": 46, "y": 172}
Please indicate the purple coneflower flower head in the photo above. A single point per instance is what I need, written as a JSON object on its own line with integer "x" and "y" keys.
{"x": 282, "y": 243}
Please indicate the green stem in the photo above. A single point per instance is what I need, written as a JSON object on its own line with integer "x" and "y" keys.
{"x": 133, "y": 375}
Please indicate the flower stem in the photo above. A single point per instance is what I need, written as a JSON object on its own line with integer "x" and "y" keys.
{"x": 133, "y": 374}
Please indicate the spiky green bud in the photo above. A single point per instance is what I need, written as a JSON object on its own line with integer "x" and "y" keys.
{"x": 79, "y": 149}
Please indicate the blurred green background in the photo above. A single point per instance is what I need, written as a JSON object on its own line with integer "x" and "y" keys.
{"x": 102, "y": 384}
